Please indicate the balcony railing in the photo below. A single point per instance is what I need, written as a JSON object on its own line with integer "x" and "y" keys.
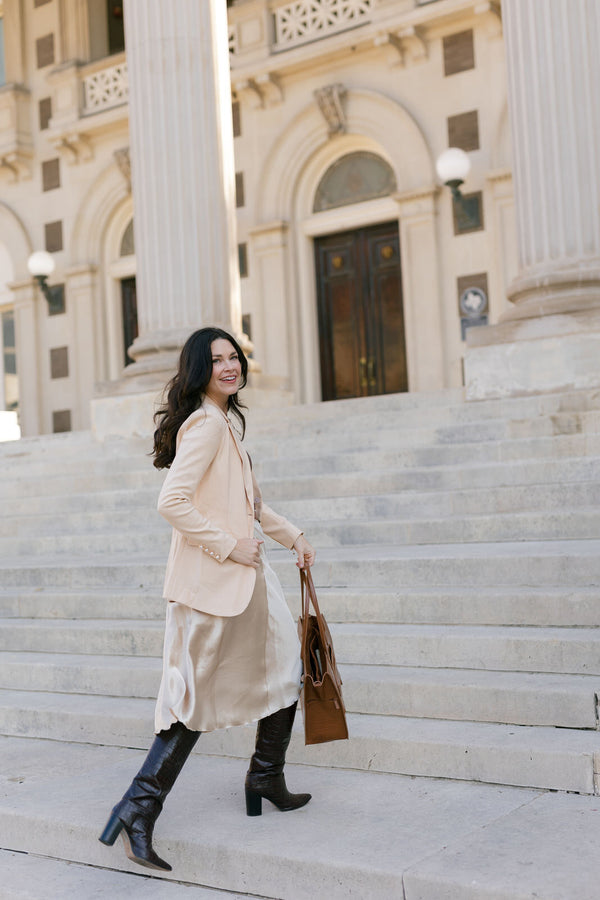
{"x": 105, "y": 88}
{"x": 304, "y": 21}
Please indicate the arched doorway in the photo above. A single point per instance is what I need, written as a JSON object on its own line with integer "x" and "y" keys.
{"x": 359, "y": 287}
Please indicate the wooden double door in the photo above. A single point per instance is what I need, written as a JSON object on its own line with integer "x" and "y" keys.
{"x": 361, "y": 319}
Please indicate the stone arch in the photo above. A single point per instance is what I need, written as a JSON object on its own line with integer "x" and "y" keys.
{"x": 99, "y": 224}
{"x": 15, "y": 238}
{"x": 306, "y": 137}
{"x": 108, "y": 193}
{"x": 286, "y": 225}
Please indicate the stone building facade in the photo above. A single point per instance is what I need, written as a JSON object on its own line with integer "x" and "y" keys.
{"x": 358, "y": 273}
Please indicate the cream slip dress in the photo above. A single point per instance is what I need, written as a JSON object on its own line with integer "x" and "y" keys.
{"x": 220, "y": 671}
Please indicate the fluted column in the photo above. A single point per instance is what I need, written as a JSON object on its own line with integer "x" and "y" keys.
{"x": 183, "y": 174}
{"x": 549, "y": 340}
{"x": 553, "y": 77}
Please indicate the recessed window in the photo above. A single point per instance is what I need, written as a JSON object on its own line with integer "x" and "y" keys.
{"x": 353, "y": 178}
{"x": 459, "y": 52}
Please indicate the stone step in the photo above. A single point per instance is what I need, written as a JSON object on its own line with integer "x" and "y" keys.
{"x": 96, "y": 497}
{"x": 561, "y": 447}
{"x": 96, "y": 466}
{"x": 564, "y": 525}
{"x": 517, "y": 755}
{"x": 573, "y": 651}
{"x": 546, "y": 849}
{"x": 572, "y": 564}
{"x": 547, "y": 606}
{"x": 54, "y": 480}
{"x": 349, "y": 841}
{"x": 565, "y": 701}
{"x": 29, "y": 877}
{"x": 414, "y": 505}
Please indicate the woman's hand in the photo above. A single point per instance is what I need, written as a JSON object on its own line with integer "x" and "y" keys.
{"x": 247, "y": 552}
{"x": 306, "y": 553}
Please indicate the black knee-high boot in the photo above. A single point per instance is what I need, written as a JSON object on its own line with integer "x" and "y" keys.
{"x": 265, "y": 776}
{"x": 134, "y": 816}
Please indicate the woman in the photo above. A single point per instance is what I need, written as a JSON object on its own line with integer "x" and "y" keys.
{"x": 231, "y": 652}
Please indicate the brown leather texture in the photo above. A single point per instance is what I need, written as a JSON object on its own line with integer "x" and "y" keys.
{"x": 322, "y": 703}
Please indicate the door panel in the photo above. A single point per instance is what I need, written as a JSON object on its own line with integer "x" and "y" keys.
{"x": 361, "y": 325}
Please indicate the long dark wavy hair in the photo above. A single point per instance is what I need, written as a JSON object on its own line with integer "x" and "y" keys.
{"x": 187, "y": 389}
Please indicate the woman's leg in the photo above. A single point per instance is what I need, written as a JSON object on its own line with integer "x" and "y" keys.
{"x": 134, "y": 816}
{"x": 265, "y": 776}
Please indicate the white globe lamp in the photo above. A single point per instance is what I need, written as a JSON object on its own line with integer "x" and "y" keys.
{"x": 41, "y": 264}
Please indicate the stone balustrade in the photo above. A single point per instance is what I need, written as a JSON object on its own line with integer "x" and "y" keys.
{"x": 105, "y": 88}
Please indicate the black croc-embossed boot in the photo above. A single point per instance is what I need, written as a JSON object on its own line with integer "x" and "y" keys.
{"x": 265, "y": 776}
{"x": 134, "y": 816}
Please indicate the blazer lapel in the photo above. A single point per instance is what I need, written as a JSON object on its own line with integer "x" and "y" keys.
{"x": 246, "y": 470}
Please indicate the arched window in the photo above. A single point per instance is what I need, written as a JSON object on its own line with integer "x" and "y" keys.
{"x": 127, "y": 241}
{"x": 353, "y": 178}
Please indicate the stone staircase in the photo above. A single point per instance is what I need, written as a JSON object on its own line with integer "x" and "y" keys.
{"x": 459, "y": 567}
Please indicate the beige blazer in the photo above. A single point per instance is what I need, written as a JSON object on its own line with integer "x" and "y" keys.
{"x": 208, "y": 498}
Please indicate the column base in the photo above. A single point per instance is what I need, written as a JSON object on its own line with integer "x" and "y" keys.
{"x": 531, "y": 356}
{"x": 117, "y": 410}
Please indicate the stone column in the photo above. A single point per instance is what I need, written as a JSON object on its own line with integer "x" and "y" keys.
{"x": 80, "y": 287}
{"x": 26, "y": 301}
{"x": 183, "y": 175}
{"x": 550, "y": 340}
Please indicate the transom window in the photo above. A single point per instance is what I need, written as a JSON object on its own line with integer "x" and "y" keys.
{"x": 354, "y": 178}
{"x": 127, "y": 241}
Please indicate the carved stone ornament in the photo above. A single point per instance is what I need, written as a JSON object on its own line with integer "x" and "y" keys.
{"x": 330, "y": 101}
{"x": 123, "y": 161}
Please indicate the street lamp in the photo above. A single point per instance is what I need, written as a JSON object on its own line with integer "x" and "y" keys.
{"x": 453, "y": 166}
{"x": 41, "y": 265}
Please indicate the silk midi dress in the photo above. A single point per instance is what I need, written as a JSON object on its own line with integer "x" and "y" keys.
{"x": 220, "y": 671}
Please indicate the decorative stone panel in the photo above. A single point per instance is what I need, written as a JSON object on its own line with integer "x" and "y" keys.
{"x": 59, "y": 362}
{"x": 459, "y": 52}
{"x": 463, "y": 131}
{"x": 44, "y": 51}
{"x": 50, "y": 174}
{"x": 61, "y": 420}
{"x": 53, "y": 237}
{"x": 45, "y": 112}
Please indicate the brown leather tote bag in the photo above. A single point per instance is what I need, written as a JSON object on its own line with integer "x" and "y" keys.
{"x": 322, "y": 704}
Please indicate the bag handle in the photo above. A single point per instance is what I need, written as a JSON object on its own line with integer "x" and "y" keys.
{"x": 308, "y": 595}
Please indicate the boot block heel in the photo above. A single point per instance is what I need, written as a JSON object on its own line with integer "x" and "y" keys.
{"x": 113, "y": 828}
{"x": 253, "y": 803}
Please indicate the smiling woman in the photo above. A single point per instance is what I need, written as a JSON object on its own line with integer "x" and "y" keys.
{"x": 231, "y": 651}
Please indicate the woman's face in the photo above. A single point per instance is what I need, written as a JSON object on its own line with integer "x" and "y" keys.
{"x": 226, "y": 372}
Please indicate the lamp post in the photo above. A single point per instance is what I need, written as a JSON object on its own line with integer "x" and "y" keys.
{"x": 40, "y": 265}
